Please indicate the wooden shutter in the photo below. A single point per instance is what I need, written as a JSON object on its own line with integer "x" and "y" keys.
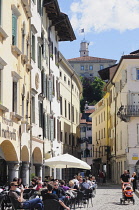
{"x": 49, "y": 127}
{"x": 53, "y": 85}
{"x": 15, "y": 96}
{"x": 50, "y": 89}
{"x": 57, "y": 130}
{"x": 44, "y": 83}
{"x": 52, "y": 129}
{"x": 44, "y": 125}
{"x": 14, "y": 29}
{"x": 133, "y": 74}
{"x": 47, "y": 87}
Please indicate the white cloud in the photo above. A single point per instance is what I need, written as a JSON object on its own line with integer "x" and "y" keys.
{"x": 103, "y": 15}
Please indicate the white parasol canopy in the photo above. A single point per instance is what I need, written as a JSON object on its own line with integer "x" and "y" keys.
{"x": 66, "y": 161}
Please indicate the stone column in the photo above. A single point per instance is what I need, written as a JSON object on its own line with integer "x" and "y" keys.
{"x": 25, "y": 173}
{"x": 38, "y": 169}
{"x": 13, "y": 170}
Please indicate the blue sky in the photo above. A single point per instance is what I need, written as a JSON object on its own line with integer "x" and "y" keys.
{"x": 111, "y": 27}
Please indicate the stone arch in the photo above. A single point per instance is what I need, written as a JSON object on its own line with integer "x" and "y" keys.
{"x": 9, "y": 151}
{"x": 37, "y": 155}
{"x": 24, "y": 154}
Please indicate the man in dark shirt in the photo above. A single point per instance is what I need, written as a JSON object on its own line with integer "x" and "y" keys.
{"x": 50, "y": 195}
{"x": 125, "y": 177}
{"x": 58, "y": 191}
{"x": 22, "y": 203}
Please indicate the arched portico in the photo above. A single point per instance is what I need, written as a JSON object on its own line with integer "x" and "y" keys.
{"x": 10, "y": 158}
{"x": 37, "y": 161}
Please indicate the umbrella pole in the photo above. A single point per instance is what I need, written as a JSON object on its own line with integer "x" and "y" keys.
{"x": 66, "y": 172}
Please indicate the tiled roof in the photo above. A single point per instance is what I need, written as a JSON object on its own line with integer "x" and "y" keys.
{"x": 83, "y": 121}
{"x": 89, "y": 111}
{"x": 90, "y": 58}
{"x": 89, "y": 123}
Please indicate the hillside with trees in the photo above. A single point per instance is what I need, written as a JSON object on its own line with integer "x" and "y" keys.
{"x": 92, "y": 91}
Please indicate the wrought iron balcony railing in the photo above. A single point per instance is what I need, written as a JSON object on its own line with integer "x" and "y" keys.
{"x": 127, "y": 111}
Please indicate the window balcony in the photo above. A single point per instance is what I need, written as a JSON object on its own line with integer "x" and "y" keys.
{"x": 127, "y": 111}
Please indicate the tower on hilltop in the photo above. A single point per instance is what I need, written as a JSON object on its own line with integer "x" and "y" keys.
{"x": 84, "y": 49}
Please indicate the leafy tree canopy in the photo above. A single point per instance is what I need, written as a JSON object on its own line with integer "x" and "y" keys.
{"x": 92, "y": 91}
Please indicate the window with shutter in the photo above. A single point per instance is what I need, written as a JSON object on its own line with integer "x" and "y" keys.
{"x": 61, "y": 105}
{"x": 137, "y": 73}
{"x": 52, "y": 129}
{"x": 65, "y": 108}
{"x": 53, "y": 85}
{"x": 44, "y": 125}
{"x": 39, "y": 6}
{"x": 49, "y": 127}
{"x": 15, "y": 97}
{"x": 14, "y": 29}
{"x": 43, "y": 76}
{"x": 69, "y": 110}
{"x": 133, "y": 74}
{"x": 40, "y": 114}
{"x": 33, "y": 47}
{"x": 39, "y": 56}
{"x": 33, "y": 110}
{"x": 72, "y": 113}
{"x": 50, "y": 89}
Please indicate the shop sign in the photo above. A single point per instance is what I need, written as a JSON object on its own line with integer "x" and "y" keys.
{"x": 7, "y": 133}
{"x": 135, "y": 156}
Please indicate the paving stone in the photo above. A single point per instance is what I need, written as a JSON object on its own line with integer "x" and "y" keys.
{"x": 108, "y": 198}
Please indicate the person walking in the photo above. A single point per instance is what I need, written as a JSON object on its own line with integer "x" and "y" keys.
{"x": 125, "y": 177}
{"x": 134, "y": 180}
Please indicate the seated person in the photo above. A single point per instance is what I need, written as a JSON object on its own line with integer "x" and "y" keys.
{"x": 84, "y": 185}
{"x": 21, "y": 202}
{"x": 72, "y": 185}
{"x": 62, "y": 185}
{"x": 50, "y": 195}
{"x": 58, "y": 191}
{"x": 39, "y": 185}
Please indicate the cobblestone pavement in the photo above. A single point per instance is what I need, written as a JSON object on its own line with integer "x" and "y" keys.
{"x": 108, "y": 198}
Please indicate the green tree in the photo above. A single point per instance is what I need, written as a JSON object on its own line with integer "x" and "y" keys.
{"x": 92, "y": 91}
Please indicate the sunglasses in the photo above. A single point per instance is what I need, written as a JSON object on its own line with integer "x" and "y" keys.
{"x": 15, "y": 185}
{"x": 56, "y": 185}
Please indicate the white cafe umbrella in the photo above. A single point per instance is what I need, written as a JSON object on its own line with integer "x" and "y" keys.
{"x": 66, "y": 161}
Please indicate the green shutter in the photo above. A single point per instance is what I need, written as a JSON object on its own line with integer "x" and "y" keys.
{"x": 33, "y": 47}
{"x": 43, "y": 83}
{"x": 52, "y": 129}
{"x": 14, "y": 29}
